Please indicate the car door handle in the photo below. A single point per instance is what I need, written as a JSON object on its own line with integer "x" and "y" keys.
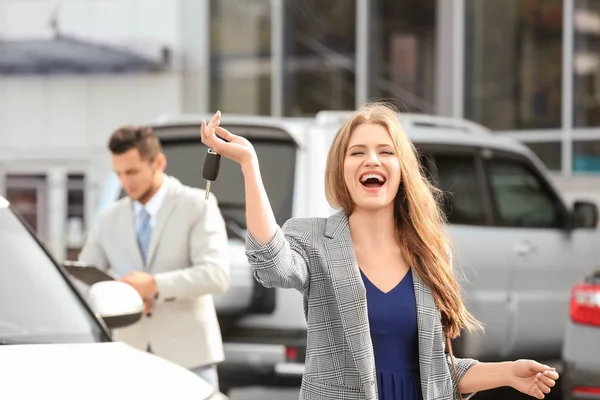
{"x": 523, "y": 249}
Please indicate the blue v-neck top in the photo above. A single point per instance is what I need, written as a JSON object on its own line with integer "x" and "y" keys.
{"x": 394, "y": 334}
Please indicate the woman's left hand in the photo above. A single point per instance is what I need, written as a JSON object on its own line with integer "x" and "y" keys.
{"x": 533, "y": 378}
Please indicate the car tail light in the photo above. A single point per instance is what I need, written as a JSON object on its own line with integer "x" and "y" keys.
{"x": 586, "y": 391}
{"x": 585, "y": 304}
{"x": 291, "y": 354}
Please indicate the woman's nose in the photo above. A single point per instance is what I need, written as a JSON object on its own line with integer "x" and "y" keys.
{"x": 372, "y": 159}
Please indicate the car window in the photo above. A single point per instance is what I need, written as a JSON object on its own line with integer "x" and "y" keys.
{"x": 37, "y": 305}
{"x": 456, "y": 175}
{"x": 185, "y": 161}
{"x": 521, "y": 198}
{"x": 278, "y": 164}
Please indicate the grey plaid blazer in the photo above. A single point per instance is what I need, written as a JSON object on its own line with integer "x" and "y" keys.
{"x": 316, "y": 257}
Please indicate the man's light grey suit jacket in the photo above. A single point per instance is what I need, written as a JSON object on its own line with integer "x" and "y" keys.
{"x": 316, "y": 257}
{"x": 188, "y": 258}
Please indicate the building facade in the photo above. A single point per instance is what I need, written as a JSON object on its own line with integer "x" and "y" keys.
{"x": 72, "y": 71}
{"x": 524, "y": 68}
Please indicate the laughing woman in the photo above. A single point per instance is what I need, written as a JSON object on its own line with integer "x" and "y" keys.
{"x": 380, "y": 296}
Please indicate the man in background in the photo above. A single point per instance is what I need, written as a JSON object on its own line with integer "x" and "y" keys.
{"x": 170, "y": 244}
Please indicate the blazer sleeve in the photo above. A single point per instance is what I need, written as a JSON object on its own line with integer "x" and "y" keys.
{"x": 208, "y": 244}
{"x": 283, "y": 262}
{"x": 92, "y": 252}
{"x": 462, "y": 365}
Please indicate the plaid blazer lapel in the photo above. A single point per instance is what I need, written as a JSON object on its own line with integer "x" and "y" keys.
{"x": 350, "y": 295}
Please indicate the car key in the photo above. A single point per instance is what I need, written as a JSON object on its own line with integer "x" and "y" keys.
{"x": 212, "y": 163}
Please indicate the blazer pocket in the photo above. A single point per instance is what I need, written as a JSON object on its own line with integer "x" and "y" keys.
{"x": 318, "y": 389}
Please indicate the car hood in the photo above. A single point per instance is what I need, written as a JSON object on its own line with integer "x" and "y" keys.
{"x": 94, "y": 371}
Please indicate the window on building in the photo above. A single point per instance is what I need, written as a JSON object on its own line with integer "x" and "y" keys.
{"x": 586, "y": 156}
{"x": 513, "y": 63}
{"x": 240, "y": 56}
{"x": 402, "y": 53}
{"x": 586, "y": 64}
{"x": 28, "y": 194}
{"x": 75, "y": 224}
{"x": 320, "y": 46}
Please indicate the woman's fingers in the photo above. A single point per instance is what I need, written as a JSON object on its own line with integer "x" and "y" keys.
{"x": 210, "y": 139}
{"x": 225, "y": 134}
{"x": 212, "y": 127}
{"x": 536, "y": 392}
{"x": 207, "y": 132}
{"x": 544, "y": 384}
{"x": 213, "y": 123}
{"x": 203, "y": 133}
{"x": 215, "y": 120}
{"x": 224, "y": 142}
{"x": 552, "y": 374}
{"x": 542, "y": 387}
{"x": 547, "y": 380}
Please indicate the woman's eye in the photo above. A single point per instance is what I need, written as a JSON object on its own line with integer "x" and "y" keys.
{"x": 356, "y": 153}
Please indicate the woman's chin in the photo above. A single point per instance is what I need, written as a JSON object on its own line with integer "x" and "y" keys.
{"x": 373, "y": 203}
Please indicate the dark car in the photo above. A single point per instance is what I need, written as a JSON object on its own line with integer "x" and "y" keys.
{"x": 581, "y": 347}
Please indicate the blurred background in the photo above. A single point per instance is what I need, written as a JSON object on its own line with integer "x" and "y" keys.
{"x": 72, "y": 71}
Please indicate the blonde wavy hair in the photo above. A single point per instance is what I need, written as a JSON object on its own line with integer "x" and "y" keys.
{"x": 420, "y": 224}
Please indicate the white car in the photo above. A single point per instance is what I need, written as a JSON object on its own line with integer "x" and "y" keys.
{"x": 54, "y": 344}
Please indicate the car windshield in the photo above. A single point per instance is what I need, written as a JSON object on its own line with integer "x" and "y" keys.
{"x": 37, "y": 304}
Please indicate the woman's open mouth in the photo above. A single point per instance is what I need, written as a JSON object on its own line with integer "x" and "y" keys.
{"x": 372, "y": 181}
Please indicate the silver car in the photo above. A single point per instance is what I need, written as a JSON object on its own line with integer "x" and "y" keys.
{"x": 581, "y": 347}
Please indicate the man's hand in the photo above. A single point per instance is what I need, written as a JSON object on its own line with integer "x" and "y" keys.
{"x": 143, "y": 283}
{"x": 148, "y": 303}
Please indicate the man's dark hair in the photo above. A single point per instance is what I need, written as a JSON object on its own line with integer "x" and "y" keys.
{"x": 141, "y": 138}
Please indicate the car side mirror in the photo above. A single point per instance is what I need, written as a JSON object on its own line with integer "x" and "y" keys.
{"x": 117, "y": 303}
{"x": 585, "y": 214}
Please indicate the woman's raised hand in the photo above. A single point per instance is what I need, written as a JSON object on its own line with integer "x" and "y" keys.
{"x": 233, "y": 147}
{"x": 259, "y": 216}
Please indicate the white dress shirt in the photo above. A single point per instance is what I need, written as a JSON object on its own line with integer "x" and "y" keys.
{"x": 153, "y": 205}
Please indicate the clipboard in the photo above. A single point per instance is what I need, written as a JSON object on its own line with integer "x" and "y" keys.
{"x": 87, "y": 273}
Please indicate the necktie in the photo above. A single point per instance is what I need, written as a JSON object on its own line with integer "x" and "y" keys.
{"x": 143, "y": 233}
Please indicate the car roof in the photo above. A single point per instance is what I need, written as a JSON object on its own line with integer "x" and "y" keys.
{"x": 294, "y": 126}
{"x": 196, "y": 119}
{"x": 436, "y": 129}
{"x": 421, "y": 128}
